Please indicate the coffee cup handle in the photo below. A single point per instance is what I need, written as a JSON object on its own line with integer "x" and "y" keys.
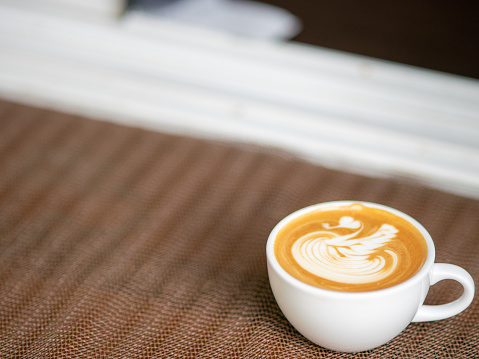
{"x": 441, "y": 271}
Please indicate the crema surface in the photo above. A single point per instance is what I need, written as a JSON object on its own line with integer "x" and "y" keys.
{"x": 350, "y": 248}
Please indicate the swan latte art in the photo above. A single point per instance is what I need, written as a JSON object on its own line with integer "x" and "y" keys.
{"x": 352, "y": 248}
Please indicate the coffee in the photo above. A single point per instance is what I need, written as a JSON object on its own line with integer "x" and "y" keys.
{"x": 352, "y": 248}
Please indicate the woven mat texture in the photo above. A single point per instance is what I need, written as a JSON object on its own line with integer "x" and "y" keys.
{"x": 118, "y": 242}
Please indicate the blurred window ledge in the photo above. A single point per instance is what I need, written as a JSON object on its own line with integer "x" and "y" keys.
{"x": 340, "y": 110}
{"x": 85, "y": 10}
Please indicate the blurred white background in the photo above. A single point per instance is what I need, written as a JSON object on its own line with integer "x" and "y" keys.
{"x": 161, "y": 70}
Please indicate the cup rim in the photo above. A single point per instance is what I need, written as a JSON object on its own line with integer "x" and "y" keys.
{"x": 272, "y": 261}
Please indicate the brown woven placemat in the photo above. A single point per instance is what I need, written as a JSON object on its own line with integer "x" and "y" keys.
{"x": 118, "y": 242}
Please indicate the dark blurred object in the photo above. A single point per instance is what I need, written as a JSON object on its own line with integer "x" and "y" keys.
{"x": 435, "y": 34}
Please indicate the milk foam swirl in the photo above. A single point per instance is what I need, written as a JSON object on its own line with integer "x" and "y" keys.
{"x": 355, "y": 257}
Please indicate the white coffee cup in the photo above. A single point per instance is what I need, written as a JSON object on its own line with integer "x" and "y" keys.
{"x": 358, "y": 321}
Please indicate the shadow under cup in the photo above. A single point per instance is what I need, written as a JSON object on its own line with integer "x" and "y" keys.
{"x": 357, "y": 321}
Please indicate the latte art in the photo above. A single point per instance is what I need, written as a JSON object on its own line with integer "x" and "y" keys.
{"x": 350, "y": 248}
{"x": 350, "y": 258}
